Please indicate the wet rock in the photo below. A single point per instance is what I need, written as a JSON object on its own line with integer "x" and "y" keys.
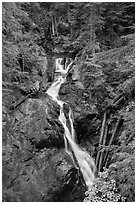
{"x": 39, "y": 122}
{"x": 45, "y": 177}
{"x": 65, "y": 89}
{"x": 87, "y": 127}
{"x": 35, "y": 167}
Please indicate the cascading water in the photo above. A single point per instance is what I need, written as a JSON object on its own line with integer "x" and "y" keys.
{"x": 80, "y": 158}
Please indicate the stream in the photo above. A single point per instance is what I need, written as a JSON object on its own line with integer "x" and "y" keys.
{"x": 81, "y": 159}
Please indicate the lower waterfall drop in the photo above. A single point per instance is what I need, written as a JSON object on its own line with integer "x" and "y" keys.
{"x": 82, "y": 159}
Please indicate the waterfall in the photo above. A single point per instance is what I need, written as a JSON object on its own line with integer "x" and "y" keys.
{"x": 80, "y": 158}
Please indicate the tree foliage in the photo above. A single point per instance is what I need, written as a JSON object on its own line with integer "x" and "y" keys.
{"x": 20, "y": 52}
{"x": 73, "y": 25}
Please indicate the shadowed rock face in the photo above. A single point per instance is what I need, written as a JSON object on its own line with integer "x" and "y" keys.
{"x": 35, "y": 165}
{"x": 38, "y": 179}
{"x": 41, "y": 124}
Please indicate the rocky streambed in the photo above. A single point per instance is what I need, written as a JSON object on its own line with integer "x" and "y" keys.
{"x": 36, "y": 167}
{"x": 35, "y": 164}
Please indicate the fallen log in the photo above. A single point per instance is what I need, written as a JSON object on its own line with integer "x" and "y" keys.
{"x": 101, "y": 138}
{"x": 111, "y": 140}
{"x": 12, "y": 107}
{"x": 102, "y": 152}
{"x": 117, "y": 98}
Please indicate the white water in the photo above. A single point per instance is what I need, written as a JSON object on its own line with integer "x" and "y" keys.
{"x": 82, "y": 159}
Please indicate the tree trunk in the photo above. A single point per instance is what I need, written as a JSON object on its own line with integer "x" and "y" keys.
{"x": 101, "y": 138}
{"x": 92, "y": 31}
{"x": 102, "y": 152}
{"x": 111, "y": 140}
{"x": 68, "y": 14}
{"x": 53, "y": 26}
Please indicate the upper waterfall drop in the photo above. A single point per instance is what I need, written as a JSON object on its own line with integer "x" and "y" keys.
{"x": 80, "y": 158}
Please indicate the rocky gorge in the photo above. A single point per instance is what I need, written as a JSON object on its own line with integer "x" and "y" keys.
{"x": 101, "y": 95}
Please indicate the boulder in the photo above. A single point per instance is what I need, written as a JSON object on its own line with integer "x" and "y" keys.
{"x": 45, "y": 176}
{"x": 37, "y": 119}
